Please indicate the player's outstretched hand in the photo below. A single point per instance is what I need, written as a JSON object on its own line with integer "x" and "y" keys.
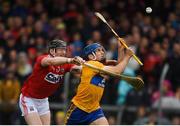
{"x": 78, "y": 60}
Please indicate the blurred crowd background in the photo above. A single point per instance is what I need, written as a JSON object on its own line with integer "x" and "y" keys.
{"x": 27, "y": 25}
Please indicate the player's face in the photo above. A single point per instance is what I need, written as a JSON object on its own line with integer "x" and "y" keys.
{"x": 100, "y": 54}
{"x": 60, "y": 52}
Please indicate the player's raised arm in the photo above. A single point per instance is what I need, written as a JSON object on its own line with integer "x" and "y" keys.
{"x": 120, "y": 56}
{"x": 57, "y": 52}
{"x": 55, "y": 61}
{"x": 61, "y": 60}
{"x": 120, "y": 52}
{"x": 119, "y": 68}
{"x": 96, "y": 52}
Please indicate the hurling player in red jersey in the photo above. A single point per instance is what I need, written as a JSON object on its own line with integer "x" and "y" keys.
{"x": 47, "y": 75}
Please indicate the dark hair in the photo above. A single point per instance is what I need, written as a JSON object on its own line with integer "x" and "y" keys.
{"x": 56, "y": 44}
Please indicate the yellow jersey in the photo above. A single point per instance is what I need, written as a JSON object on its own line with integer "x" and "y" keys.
{"x": 90, "y": 89}
{"x": 9, "y": 90}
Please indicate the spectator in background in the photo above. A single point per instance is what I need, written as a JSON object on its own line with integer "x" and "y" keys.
{"x": 96, "y": 36}
{"x": 153, "y": 119}
{"x": 176, "y": 120}
{"x": 5, "y": 11}
{"x": 124, "y": 87}
{"x": 32, "y": 55}
{"x": 23, "y": 66}
{"x": 169, "y": 102}
{"x": 77, "y": 45}
{"x": 9, "y": 93}
{"x": 177, "y": 93}
{"x": 61, "y": 32}
{"x": 163, "y": 59}
{"x": 174, "y": 69}
{"x": 141, "y": 114}
{"x": 166, "y": 91}
{"x": 3, "y": 70}
{"x": 59, "y": 118}
{"x": 112, "y": 50}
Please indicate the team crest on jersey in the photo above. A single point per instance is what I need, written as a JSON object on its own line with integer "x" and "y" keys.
{"x": 53, "y": 78}
{"x": 98, "y": 81}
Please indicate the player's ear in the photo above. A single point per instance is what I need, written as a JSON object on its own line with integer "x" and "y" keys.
{"x": 52, "y": 52}
{"x": 90, "y": 56}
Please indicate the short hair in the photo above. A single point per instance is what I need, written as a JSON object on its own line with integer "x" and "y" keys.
{"x": 57, "y": 44}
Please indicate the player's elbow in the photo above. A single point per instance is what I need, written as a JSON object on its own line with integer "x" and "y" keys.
{"x": 118, "y": 69}
{"x": 114, "y": 69}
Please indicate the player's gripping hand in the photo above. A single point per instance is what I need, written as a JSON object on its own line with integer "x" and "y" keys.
{"x": 120, "y": 46}
{"x": 128, "y": 52}
{"x": 78, "y": 60}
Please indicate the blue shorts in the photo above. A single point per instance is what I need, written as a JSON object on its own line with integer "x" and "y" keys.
{"x": 76, "y": 116}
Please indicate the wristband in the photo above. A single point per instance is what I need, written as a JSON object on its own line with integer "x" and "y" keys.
{"x": 69, "y": 60}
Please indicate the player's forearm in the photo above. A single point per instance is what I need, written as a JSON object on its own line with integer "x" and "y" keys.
{"x": 120, "y": 53}
{"x": 56, "y": 61}
{"x": 119, "y": 68}
{"x": 60, "y": 60}
{"x": 122, "y": 65}
{"x": 126, "y": 56}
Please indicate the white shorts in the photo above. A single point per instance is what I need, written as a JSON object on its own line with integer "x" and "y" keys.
{"x": 30, "y": 105}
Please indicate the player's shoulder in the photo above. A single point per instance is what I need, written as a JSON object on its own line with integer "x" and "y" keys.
{"x": 95, "y": 63}
{"x": 39, "y": 58}
{"x": 42, "y": 56}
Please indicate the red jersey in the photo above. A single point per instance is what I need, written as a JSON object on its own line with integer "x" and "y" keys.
{"x": 44, "y": 80}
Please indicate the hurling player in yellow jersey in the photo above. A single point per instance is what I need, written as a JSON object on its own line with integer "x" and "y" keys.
{"x": 85, "y": 108}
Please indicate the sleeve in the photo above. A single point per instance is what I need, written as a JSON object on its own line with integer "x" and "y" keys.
{"x": 69, "y": 67}
{"x": 38, "y": 61}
